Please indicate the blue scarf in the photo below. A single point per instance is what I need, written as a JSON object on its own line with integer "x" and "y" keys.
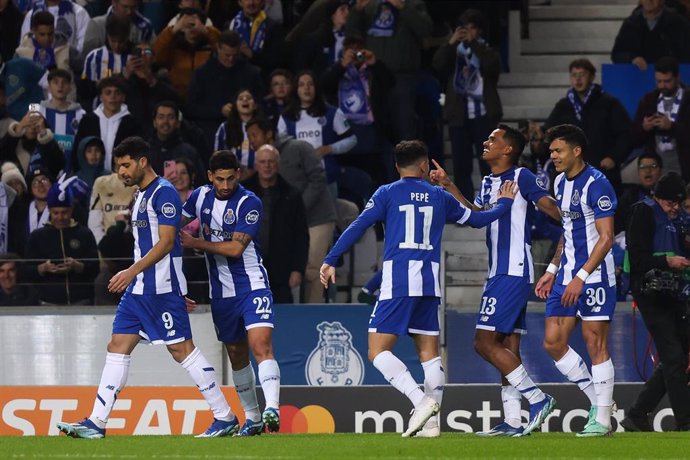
{"x": 44, "y": 57}
{"x": 577, "y": 103}
{"x": 64, "y": 8}
{"x": 385, "y": 21}
{"x": 253, "y": 33}
{"x": 353, "y": 96}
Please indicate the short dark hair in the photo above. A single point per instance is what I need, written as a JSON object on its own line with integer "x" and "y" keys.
{"x": 282, "y": 73}
{"x": 169, "y": 104}
{"x": 230, "y": 38}
{"x": 42, "y": 18}
{"x": 667, "y": 64}
{"x": 352, "y": 39}
{"x": 408, "y": 153}
{"x": 10, "y": 257}
{"x": 134, "y": 146}
{"x": 651, "y": 155}
{"x": 116, "y": 80}
{"x": 472, "y": 16}
{"x": 117, "y": 26}
{"x": 515, "y": 138}
{"x": 263, "y": 123}
{"x": 191, "y": 11}
{"x": 223, "y": 159}
{"x": 570, "y": 134}
{"x": 59, "y": 73}
{"x": 583, "y": 63}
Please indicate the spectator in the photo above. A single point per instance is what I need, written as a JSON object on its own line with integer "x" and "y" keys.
{"x": 71, "y": 20}
{"x": 301, "y": 167}
{"x": 5, "y": 119}
{"x": 473, "y": 107}
{"x": 13, "y": 294}
{"x": 62, "y": 115}
{"x": 140, "y": 29}
{"x": 601, "y": 116}
{"x": 215, "y": 84}
{"x": 110, "y": 203}
{"x": 232, "y": 134}
{"x": 184, "y": 48}
{"x": 90, "y": 156}
{"x": 651, "y": 32}
{"x": 359, "y": 85}
{"x": 280, "y": 86}
{"x": 308, "y": 117}
{"x": 181, "y": 5}
{"x": 662, "y": 120}
{"x": 324, "y": 46}
{"x": 395, "y": 30}
{"x": 650, "y": 168}
{"x": 105, "y": 61}
{"x": 30, "y": 144}
{"x": 144, "y": 88}
{"x": 13, "y": 177}
{"x": 21, "y": 78}
{"x": 262, "y": 38}
{"x": 29, "y": 211}
{"x": 10, "y": 29}
{"x": 284, "y": 235}
{"x": 111, "y": 121}
{"x": 8, "y": 196}
{"x": 166, "y": 143}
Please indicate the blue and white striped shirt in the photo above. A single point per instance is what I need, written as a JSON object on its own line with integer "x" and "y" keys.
{"x": 102, "y": 63}
{"x": 219, "y": 219}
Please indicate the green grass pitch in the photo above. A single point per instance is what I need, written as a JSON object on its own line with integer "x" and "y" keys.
{"x": 350, "y": 446}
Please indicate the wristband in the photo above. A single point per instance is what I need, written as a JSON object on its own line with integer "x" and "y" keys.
{"x": 582, "y": 274}
{"x": 552, "y": 268}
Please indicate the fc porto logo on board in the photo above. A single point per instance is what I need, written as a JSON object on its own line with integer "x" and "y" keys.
{"x": 229, "y": 217}
{"x": 334, "y": 361}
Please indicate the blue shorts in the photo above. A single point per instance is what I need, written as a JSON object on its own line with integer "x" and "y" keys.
{"x": 159, "y": 318}
{"x": 504, "y": 305}
{"x": 596, "y": 303}
{"x": 406, "y": 315}
{"x": 233, "y": 316}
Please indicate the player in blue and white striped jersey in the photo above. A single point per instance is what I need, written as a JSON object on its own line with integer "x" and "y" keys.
{"x": 501, "y": 318}
{"x": 241, "y": 300}
{"x": 414, "y": 213}
{"x": 153, "y": 306}
{"x": 580, "y": 281}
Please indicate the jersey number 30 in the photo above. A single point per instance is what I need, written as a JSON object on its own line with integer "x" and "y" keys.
{"x": 409, "y": 243}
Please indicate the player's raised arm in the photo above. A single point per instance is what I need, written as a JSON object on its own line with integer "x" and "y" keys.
{"x": 478, "y": 219}
{"x": 439, "y": 176}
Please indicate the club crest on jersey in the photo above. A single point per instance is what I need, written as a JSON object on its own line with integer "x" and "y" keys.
{"x": 142, "y": 205}
{"x": 541, "y": 183}
{"x": 370, "y": 204}
{"x": 334, "y": 361}
{"x": 604, "y": 203}
{"x": 322, "y": 121}
{"x": 229, "y": 217}
{"x": 168, "y": 210}
{"x": 252, "y": 217}
{"x": 575, "y": 200}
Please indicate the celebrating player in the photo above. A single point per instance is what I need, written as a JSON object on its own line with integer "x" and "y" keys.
{"x": 501, "y": 317}
{"x": 581, "y": 280}
{"x": 241, "y": 301}
{"x": 153, "y": 305}
{"x": 414, "y": 213}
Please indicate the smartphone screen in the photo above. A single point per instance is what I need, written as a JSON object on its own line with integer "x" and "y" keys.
{"x": 170, "y": 169}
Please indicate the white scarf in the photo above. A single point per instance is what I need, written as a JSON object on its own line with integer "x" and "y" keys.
{"x": 36, "y": 221}
{"x": 667, "y": 143}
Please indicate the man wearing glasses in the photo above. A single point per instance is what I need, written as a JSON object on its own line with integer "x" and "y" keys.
{"x": 649, "y": 170}
{"x": 657, "y": 263}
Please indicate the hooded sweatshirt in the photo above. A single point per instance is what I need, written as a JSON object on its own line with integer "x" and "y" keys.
{"x": 88, "y": 173}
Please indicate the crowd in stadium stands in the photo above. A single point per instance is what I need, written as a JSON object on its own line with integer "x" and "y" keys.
{"x": 333, "y": 85}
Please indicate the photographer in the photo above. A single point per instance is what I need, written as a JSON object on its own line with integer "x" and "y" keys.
{"x": 655, "y": 239}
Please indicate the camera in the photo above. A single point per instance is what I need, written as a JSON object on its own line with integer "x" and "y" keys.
{"x": 34, "y": 110}
{"x": 360, "y": 56}
{"x": 661, "y": 282}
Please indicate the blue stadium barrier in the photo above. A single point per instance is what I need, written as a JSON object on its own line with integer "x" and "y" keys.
{"x": 629, "y": 84}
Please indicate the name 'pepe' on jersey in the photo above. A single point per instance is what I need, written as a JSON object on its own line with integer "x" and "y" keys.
{"x": 219, "y": 219}
{"x": 583, "y": 199}
{"x": 414, "y": 213}
{"x": 509, "y": 238}
{"x": 157, "y": 204}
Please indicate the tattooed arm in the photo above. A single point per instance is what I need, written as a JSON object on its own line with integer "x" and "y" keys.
{"x": 232, "y": 248}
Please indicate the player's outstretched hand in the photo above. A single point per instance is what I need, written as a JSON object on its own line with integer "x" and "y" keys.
{"x": 544, "y": 285}
{"x": 190, "y": 304}
{"x": 186, "y": 240}
{"x": 508, "y": 190}
{"x": 438, "y": 176}
{"x": 120, "y": 281}
{"x": 326, "y": 274}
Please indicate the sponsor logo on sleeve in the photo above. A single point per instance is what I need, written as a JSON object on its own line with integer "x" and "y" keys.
{"x": 252, "y": 217}
{"x": 370, "y": 204}
{"x": 604, "y": 203}
{"x": 168, "y": 210}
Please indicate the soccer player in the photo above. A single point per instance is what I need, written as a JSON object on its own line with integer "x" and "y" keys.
{"x": 241, "y": 300}
{"x": 501, "y": 318}
{"x": 153, "y": 305}
{"x": 581, "y": 280}
{"x": 414, "y": 213}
